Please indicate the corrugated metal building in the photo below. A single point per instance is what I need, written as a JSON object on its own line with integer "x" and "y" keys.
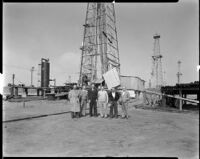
{"x": 132, "y": 82}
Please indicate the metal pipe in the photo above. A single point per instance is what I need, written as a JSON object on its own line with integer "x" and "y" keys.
{"x": 181, "y": 98}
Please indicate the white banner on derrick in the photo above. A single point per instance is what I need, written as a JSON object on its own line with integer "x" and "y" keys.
{"x": 112, "y": 78}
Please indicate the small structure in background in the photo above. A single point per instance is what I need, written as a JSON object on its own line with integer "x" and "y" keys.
{"x": 133, "y": 83}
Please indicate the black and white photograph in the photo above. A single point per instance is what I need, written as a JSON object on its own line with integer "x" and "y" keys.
{"x": 100, "y": 79}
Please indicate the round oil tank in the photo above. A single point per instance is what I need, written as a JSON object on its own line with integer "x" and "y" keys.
{"x": 45, "y": 69}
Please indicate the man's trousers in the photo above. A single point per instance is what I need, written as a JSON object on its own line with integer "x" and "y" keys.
{"x": 103, "y": 108}
{"x": 113, "y": 109}
{"x": 124, "y": 109}
{"x": 93, "y": 108}
{"x": 83, "y": 107}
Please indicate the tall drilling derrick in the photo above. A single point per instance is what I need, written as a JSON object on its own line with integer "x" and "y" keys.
{"x": 156, "y": 74}
{"x": 100, "y": 45}
{"x": 179, "y": 72}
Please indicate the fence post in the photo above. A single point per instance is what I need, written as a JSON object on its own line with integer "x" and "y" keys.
{"x": 23, "y": 103}
{"x": 180, "y": 101}
{"x": 163, "y": 101}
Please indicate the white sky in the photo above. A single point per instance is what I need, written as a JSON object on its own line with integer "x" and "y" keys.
{"x": 55, "y": 31}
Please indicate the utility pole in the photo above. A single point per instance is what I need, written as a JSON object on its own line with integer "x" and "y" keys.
{"x": 69, "y": 79}
{"x": 32, "y": 69}
{"x": 39, "y": 75}
{"x": 164, "y": 82}
{"x": 13, "y": 83}
{"x": 179, "y": 74}
{"x": 54, "y": 82}
{"x": 13, "y": 79}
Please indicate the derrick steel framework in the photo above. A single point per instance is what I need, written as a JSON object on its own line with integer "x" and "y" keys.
{"x": 156, "y": 74}
{"x": 100, "y": 51}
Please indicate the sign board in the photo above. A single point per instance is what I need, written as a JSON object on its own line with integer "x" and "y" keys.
{"x": 112, "y": 78}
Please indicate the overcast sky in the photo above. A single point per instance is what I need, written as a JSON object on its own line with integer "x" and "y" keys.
{"x": 55, "y": 31}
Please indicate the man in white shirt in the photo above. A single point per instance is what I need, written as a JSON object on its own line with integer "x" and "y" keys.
{"x": 103, "y": 101}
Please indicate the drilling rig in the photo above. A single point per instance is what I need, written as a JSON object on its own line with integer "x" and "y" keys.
{"x": 156, "y": 74}
{"x": 99, "y": 50}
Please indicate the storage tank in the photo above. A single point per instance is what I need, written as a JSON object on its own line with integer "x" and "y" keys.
{"x": 45, "y": 69}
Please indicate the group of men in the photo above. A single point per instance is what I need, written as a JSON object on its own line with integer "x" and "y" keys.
{"x": 79, "y": 99}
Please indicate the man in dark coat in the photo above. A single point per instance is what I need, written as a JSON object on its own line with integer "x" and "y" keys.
{"x": 92, "y": 98}
{"x": 113, "y": 98}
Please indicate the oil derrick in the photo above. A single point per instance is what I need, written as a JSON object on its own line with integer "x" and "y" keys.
{"x": 100, "y": 45}
{"x": 179, "y": 72}
{"x": 156, "y": 74}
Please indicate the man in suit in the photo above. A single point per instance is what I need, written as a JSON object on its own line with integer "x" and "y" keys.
{"x": 84, "y": 98}
{"x": 92, "y": 99}
{"x": 124, "y": 99}
{"x": 113, "y": 98}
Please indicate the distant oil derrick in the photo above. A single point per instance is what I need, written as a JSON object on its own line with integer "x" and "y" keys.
{"x": 156, "y": 74}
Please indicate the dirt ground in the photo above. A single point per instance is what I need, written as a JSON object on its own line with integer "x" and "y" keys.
{"x": 145, "y": 133}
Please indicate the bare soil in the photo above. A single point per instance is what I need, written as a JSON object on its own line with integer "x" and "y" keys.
{"x": 145, "y": 133}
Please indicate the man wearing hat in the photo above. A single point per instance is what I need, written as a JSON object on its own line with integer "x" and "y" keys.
{"x": 113, "y": 98}
{"x": 124, "y": 99}
{"x": 92, "y": 98}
